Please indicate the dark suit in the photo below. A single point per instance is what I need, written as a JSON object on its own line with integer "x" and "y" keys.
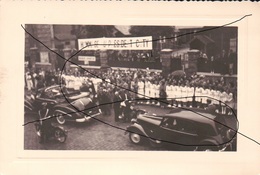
{"x": 117, "y": 110}
{"x": 46, "y": 124}
{"x": 126, "y": 109}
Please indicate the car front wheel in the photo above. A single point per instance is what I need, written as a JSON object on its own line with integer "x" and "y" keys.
{"x": 135, "y": 138}
{"x": 60, "y": 117}
{"x": 60, "y": 135}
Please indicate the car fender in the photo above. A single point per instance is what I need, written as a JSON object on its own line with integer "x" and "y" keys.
{"x": 69, "y": 111}
{"x": 136, "y": 128}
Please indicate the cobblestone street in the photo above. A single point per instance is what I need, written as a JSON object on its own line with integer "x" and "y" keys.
{"x": 94, "y": 135}
{"x": 101, "y": 134}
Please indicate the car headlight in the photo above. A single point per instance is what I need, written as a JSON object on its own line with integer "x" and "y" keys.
{"x": 229, "y": 134}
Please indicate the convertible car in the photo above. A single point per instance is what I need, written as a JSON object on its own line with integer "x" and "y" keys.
{"x": 188, "y": 129}
{"x": 65, "y": 105}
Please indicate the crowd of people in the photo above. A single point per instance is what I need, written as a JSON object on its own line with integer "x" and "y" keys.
{"x": 134, "y": 56}
{"x": 223, "y": 63}
{"x": 142, "y": 86}
{"x": 39, "y": 78}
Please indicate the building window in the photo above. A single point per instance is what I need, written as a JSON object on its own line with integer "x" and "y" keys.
{"x": 44, "y": 57}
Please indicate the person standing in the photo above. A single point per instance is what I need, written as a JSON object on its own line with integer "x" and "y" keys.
{"x": 140, "y": 90}
{"x": 135, "y": 90}
{"x": 204, "y": 94}
{"x": 223, "y": 99}
{"x": 35, "y": 79}
{"x": 125, "y": 105}
{"x": 231, "y": 61}
{"x": 189, "y": 94}
{"x": 178, "y": 95}
{"x": 168, "y": 94}
{"x": 106, "y": 101}
{"x": 29, "y": 81}
{"x": 45, "y": 122}
{"x": 198, "y": 94}
{"x": 229, "y": 102}
{"x": 212, "y": 65}
{"x": 116, "y": 103}
{"x": 157, "y": 93}
{"x": 102, "y": 99}
{"x": 223, "y": 63}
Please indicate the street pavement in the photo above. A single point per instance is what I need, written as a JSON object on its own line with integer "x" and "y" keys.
{"x": 101, "y": 134}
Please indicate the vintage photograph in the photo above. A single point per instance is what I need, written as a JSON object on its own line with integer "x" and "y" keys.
{"x": 129, "y": 87}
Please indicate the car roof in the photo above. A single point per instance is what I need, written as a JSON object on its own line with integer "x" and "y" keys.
{"x": 193, "y": 114}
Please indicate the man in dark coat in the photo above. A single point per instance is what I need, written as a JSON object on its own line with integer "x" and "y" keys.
{"x": 106, "y": 101}
{"x": 125, "y": 105}
{"x": 45, "y": 123}
{"x": 116, "y": 103}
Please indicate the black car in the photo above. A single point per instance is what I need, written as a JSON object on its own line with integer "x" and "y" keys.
{"x": 65, "y": 104}
{"x": 195, "y": 129}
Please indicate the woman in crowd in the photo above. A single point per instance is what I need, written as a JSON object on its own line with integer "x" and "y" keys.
{"x": 140, "y": 90}
{"x": 169, "y": 94}
{"x": 189, "y": 95}
{"x": 157, "y": 92}
{"x": 223, "y": 98}
{"x": 147, "y": 90}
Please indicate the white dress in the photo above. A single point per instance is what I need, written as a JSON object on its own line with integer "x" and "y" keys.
{"x": 140, "y": 89}
{"x": 184, "y": 94}
{"x": 178, "y": 93}
{"x": 156, "y": 94}
{"x": 212, "y": 95}
{"x": 230, "y": 100}
{"x": 218, "y": 93}
{"x": 77, "y": 83}
{"x": 168, "y": 91}
{"x": 198, "y": 91}
{"x": 174, "y": 92}
{"x": 71, "y": 82}
{"x": 207, "y": 95}
{"x": 147, "y": 89}
{"x": 152, "y": 90}
{"x": 215, "y": 96}
{"x": 204, "y": 94}
{"x": 190, "y": 94}
{"x": 223, "y": 98}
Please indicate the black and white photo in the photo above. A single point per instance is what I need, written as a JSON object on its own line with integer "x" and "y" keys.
{"x": 129, "y": 87}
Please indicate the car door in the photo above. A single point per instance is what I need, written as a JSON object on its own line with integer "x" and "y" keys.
{"x": 167, "y": 131}
{"x": 179, "y": 131}
{"x": 187, "y": 132}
